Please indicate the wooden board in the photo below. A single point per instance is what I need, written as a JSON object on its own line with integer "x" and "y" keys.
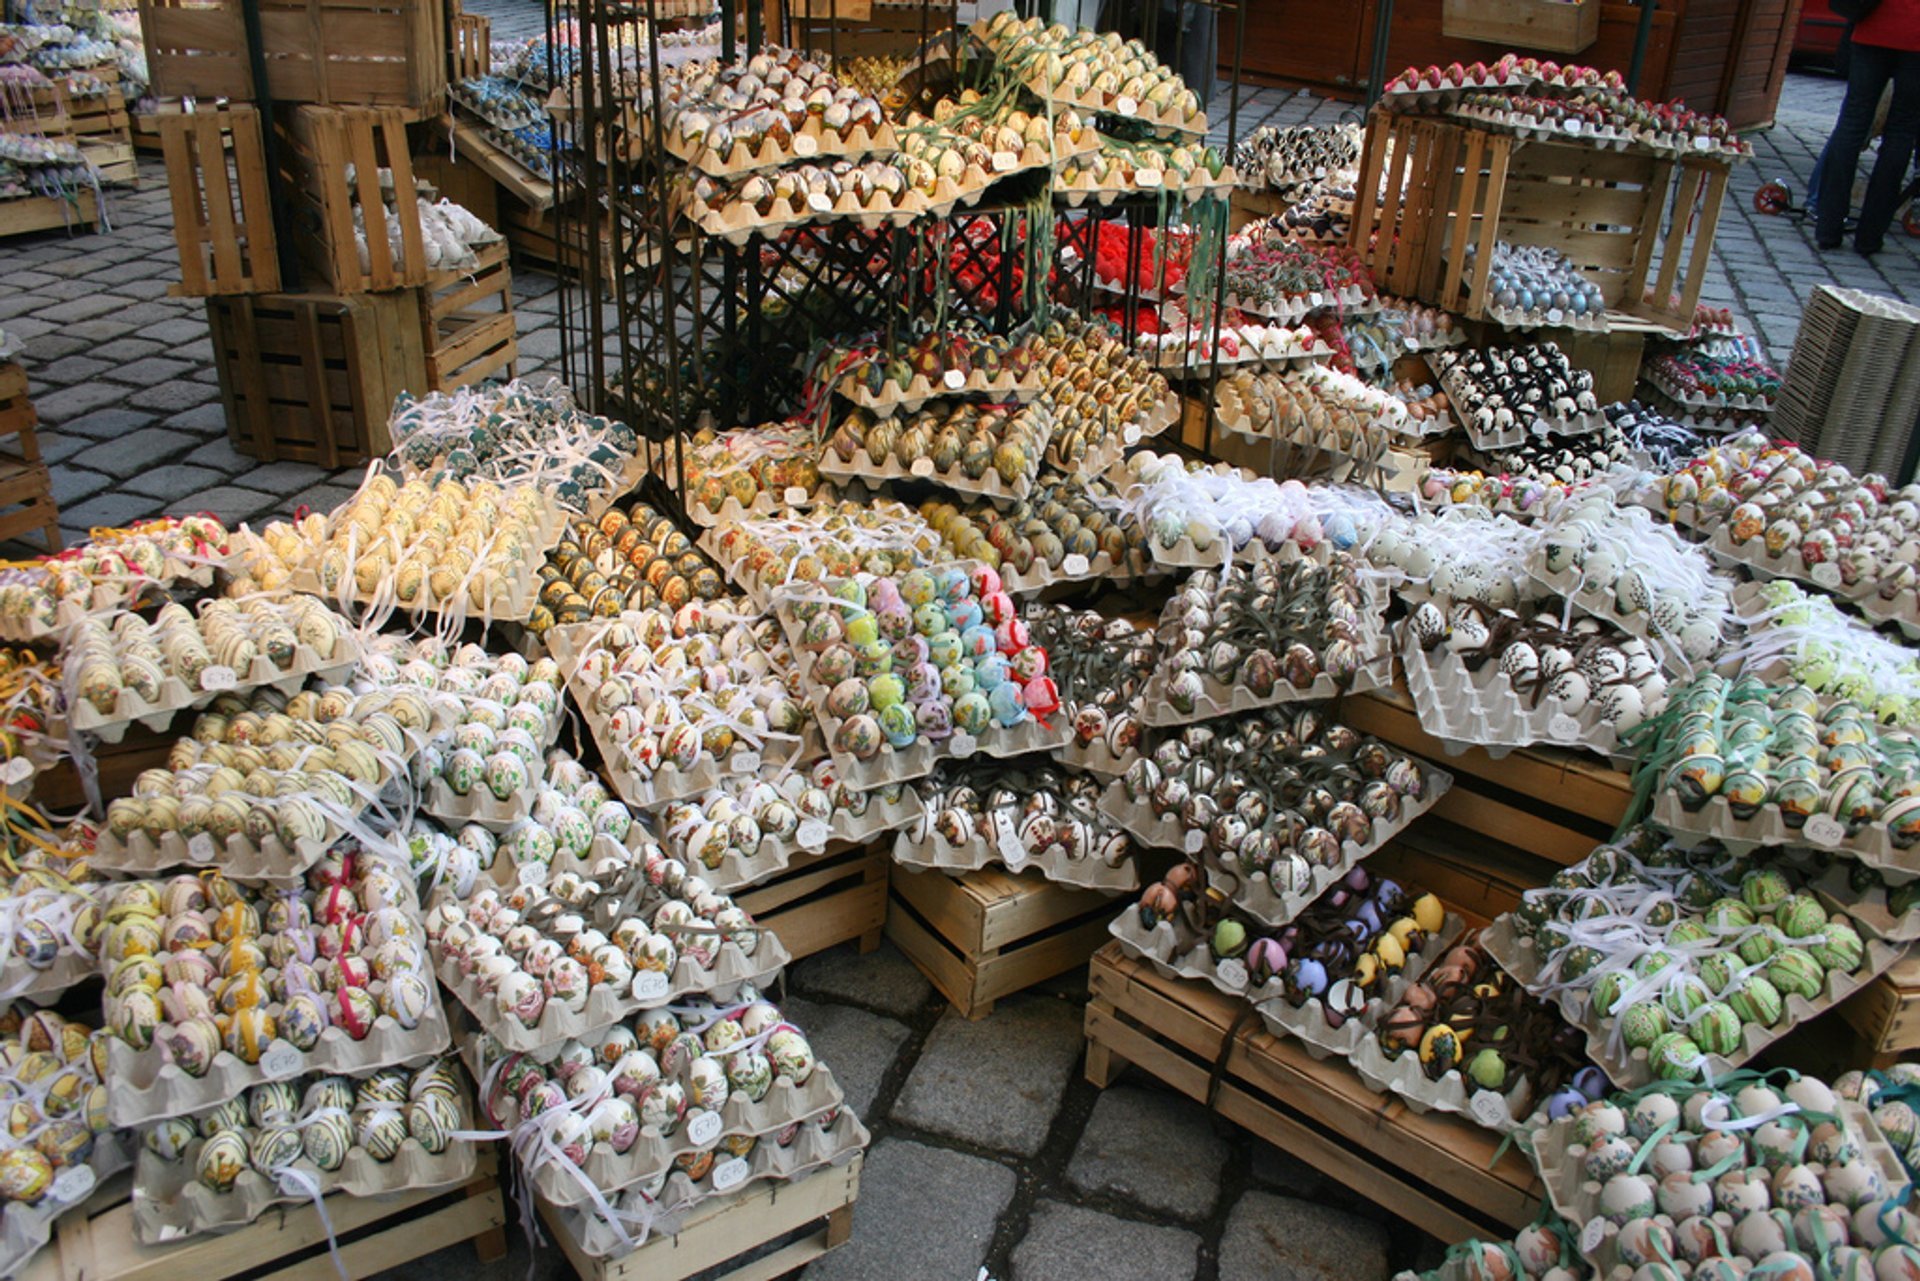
{"x": 1886, "y": 1013}
{"x": 26, "y": 501}
{"x": 47, "y": 213}
{"x": 222, "y": 215}
{"x": 1438, "y": 1172}
{"x": 467, "y": 323}
{"x": 321, "y": 147}
{"x": 983, "y": 935}
{"x": 1551, "y": 26}
{"x": 836, "y": 896}
{"x": 95, "y": 1242}
{"x": 526, "y": 186}
{"x": 715, "y": 1235}
{"x": 380, "y": 53}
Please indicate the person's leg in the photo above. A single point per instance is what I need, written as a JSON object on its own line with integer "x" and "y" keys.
{"x": 1896, "y": 156}
{"x": 1868, "y": 70}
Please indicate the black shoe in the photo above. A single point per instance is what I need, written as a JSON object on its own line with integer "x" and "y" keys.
{"x": 1827, "y": 244}
{"x": 1867, "y": 251}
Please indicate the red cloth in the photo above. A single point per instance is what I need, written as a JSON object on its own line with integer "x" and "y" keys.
{"x": 1894, "y": 24}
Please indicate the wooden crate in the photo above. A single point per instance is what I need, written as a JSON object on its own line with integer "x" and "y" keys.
{"x": 1549, "y": 802}
{"x": 17, "y": 414}
{"x": 26, "y": 501}
{"x": 1448, "y": 186}
{"x": 100, "y": 115}
{"x": 1438, "y": 1172}
{"x": 36, "y": 109}
{"x": 58, "y": 788}
{"x": 983, "y": 935}
{"x": 864, "y": 29}
{"x": 472, "y": 49}
{"x": 1552, "y": 26}
{"x": 374, "y": 53}
{"x": 556, "y": 244}
{"x": 312, "y": 377}
{"x": 95, "y": 1241}
{"x": 467, "y": 324}
{"x": 836, "y": 896}
{"x": 222, "y": 211}
{"x": 1886, "y": 1013}
{"x": 716, "y": 1234}
{"x": 321, "y": 145}
{"x": 47, "y": 213}
{"x": 115, "y": 161}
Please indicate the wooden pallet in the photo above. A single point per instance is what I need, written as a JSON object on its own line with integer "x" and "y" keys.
{"x": 115, "y": 161}
{"x": 81, "y": 212}
{"x": 1551, "y": 803}
{"x": 716, "y": 1234}
{"x": 373, "y": 53}
{"x": 983, "y": 935}
{"x": 836, "y": 896}
{"x": 1436, "y": 1171}
{"x": 467, "y": 323}
{"x": 312, "y": 377}
{"x": 222, "y": 211}
{"x": 320, "y": 145}
{"x": 95, "y": 1242}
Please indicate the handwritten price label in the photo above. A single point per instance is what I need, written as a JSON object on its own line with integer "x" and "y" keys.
{"x": 805, "y": 144}
{"x": 1006, "y": 840}
{"x": 1824, "y": 829}
{"x": 1126, "y": 106}
{"x": 72, "y": 1184}
{"x": 1130, "y": 434}
{"x": 812, "y": 835}
{"x": 1827, "y": 574}
{"x": 1076, "y": 565}
{"x": 1592, "y": 1235}
{"x": 18, "y": 770}
{"x": 954, "y": 379}
{"x": 795, "y": 495}
{"x": 212, "y": 678}
{"x": 963, "y": 746}
{"x": 532, "y": 875}
{"x": 704, "y": 1129}
{"x": 729, "y": 1175}
{"x": 281, "y": 1061}
{"x": 922, "y": 467}
{"x": 1233, "y": 972}
{"x": 819, "y": 203}
{"x": 1005, "y": 161}
{"x": 650, "y": 985}
{"x": 1489, "y": 1109}
{"x": 200, "y": 848}
{"x": 746, "y": 762}
{"x": 1146, "y": 177}
{"x": 1562, "y": 728}
{"x": 1194, "y": 841}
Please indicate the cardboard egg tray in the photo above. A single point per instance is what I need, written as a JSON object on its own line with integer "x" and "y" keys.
{"x": 480, "y": 805}
{"x": 1872, "y": 844}
{"x": 812, "y": 141}
{"x": 1081, "y": 187}
{"x": 737, "y": 223}
{"x": 1401, "y": 99}
{"x": 1576, "y": 1198}
{"x": 145, "y": 1086}
{"x": 1715, "y": 401}
{"x": 1542, "y": 129}
{"x": 1252, "y": 894}
{"x": 810, "y": 1150}
{"x": 1567, "y": 584}
{"x": 170, "y": 1202}
{"x": 269, "y": 862}
{"x": 18, "y": 979}
{"x": 1350, "y": 300}
{"x": 105, "y": 597}
{"x": 863, "y": 466}
{"x": 893, "y": 399}
{"x": 1095, "y": 758}
{"x": 605, "y": 1006}
{"x": 1521, "y": 958}
{"x": 1545, "y": 318}
{"x": 177, "y": 696}
{"x": 1466, "y": 709}
{"x": 774, "y": 854}
{"x": 1075, "y": 569}
{"x": 24, "y": 1228}
{"x": 1185, "y": 351}
{"x": 1088, "y": 873}
{"x": 1111, "y": 104}
{"x": 1836, "y": 893}
{"x": 765, "y": 503}
{"x": 1185, "y": 555}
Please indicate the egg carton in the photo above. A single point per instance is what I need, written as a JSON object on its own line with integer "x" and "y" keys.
{"x": 1199, "y": 185}
{"x": 1075, "y": 568}
{"x": 1567, "y": 584}
{"x": 600, "y": 501}
{"x": 1307, "y": 1023}
{"x": 737, "y": 224}
{"x": 177, "y": 696}
{"x": 1547, "y": 318}
{"x": 1541, "y": 129}
{"x": 1256, "y": 896}
{"x": 1349, "y": 300}
{"x": 903, "y": 765}
{"x": 1836, "y": 893}
{"x": 1402, "y": 1077}
{"x": 1521, "y": 958}
{"x": 1113, "y": 104}
{"x": 1738, "y": 403}
{"x": 25, "y": 1228}
{"x": 1094, "y": 758}
{"x": 1576, "y": 1198}
{"x": 812, "y": 141}
{"x": 145, "y": 1086}
{"x": 937, "y": 854}
{"x": 104, "y": 598}
{"x": 1004, "y": 387}
{"x": 669, "y": 783}
{"x": 1369, "y": 436}
{"x": 480, "y": 805}
{"x": 1183, "y": 354}
{"x": 267, "y": 862}
{"x": 765, "y": 503}
{"x": 1903, "y": 611}
{"x": 989, "y": 484}
{"x": 1480, "y": 709}
{"x": 785, "y": 1104}
{"x": 605, "y": 1007}
{"x": 169, "y": 1203}
{"x": 1156, "y": 710}
{"x": 1421, "y": 100}
{"x": 19, "y": 981}
{"x": 1872, "y": 844}
{"x": 812, "y": 1149}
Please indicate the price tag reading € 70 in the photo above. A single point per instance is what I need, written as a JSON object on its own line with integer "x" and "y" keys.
{"x": 954, "y": 379}
{"x": 72, "y": 1184}
{"x": 212, "y": 678}
{"x": 1194, "y": 840}
{"x": 281, "y": 1061}
{"x": 1824, "y": 829}
{"x": 729, "y": 1174}
{"x": 811, "y": 835}
{"x": 17, "y": 770}
{"x": 1562, "y": 728}
{"x": 200, "y": 848}
{"x": 1593, "y": 1234}
{"x": 1490, "y": 1110}
{"x": 1232, "y": 972}
{"x": 650, "y": 985}
{"x": 1827, "y": 574}
{"x": 704, "y": 1130}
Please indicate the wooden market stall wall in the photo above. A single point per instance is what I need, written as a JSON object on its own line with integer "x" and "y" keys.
{"x": 1727, "y": 56}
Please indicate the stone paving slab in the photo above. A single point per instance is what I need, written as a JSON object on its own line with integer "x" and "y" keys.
{"x": 996, "y": 1082}
{"x": 1151, "y": 1147}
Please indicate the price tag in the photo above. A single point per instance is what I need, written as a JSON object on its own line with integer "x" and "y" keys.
{"x": 1005, "y": 161}
{"x": 1824, "y": 829}
{"x": 1562, "y": 728}
{"x": 1146, "y": 177}
{"x": 1571, "y": 125}
{"x": 650, "y": 985}
{"x": 1827, "y": 574}
{"x": 805, "y": 144}
{"x": 1555, "y": 316}
{"x": 1315, "y": 299}
{"x": 703, "y": 1131}
{"x": 1194, "y": 841}
{"x": 1592, "y": 1235}
{"x": 730, "y": 1175}
{"x": 1076, "y": 565}
{"x": 1130, "y": 434}
{"x": 819, "y": 203}
{"x": 1126, "y": 106}
{"x": 200, "y": 848}
{"x": 72, "y": 1184}
{"x": 18, "y": 770}
{"x": 963, "y": 745}
{"x": 954, "y": 379}
{"x": 1007, "y": 842}
{"x": 1702, "y": 143}
{"x": 281, "y": 1061}
{"x": 1232, "y": 972}
{"x": 1489, "y": 1109}
{"x": 533, "y": 875}
{"x": 922, "y": 467}
{"x": 811, "y": 835}
{"x": 795, "y": 495}
{"x": 746, "y": 762}
{"x": 218, "y": 678}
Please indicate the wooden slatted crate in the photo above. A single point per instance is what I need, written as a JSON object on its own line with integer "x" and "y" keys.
{"x": 17, "y": 414}
{"x": 1550, "y": 26}
{"x": 836, "y": 896}
{"x": 1436, "y": 1171}
{"x": 863, "y": 28}
{"x": 337, "y": 158}
{"x": 472, "y": 44}
{"x": 222, "y": 213}
{"x": 376, "y": 53}
{"x": 95, "y": 1241}
{"x": 467, "y": 323}
{"x": 983, "y": 935}
{"x": 100, "y": 115}
{"x": 312, "y": 377}
{"x": 78, "y": 212}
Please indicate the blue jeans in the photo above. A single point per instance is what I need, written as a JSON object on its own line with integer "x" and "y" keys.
{"x": 1869, "y": 71}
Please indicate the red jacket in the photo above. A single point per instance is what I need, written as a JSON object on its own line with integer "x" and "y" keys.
{"x": 1894, "y": 24}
